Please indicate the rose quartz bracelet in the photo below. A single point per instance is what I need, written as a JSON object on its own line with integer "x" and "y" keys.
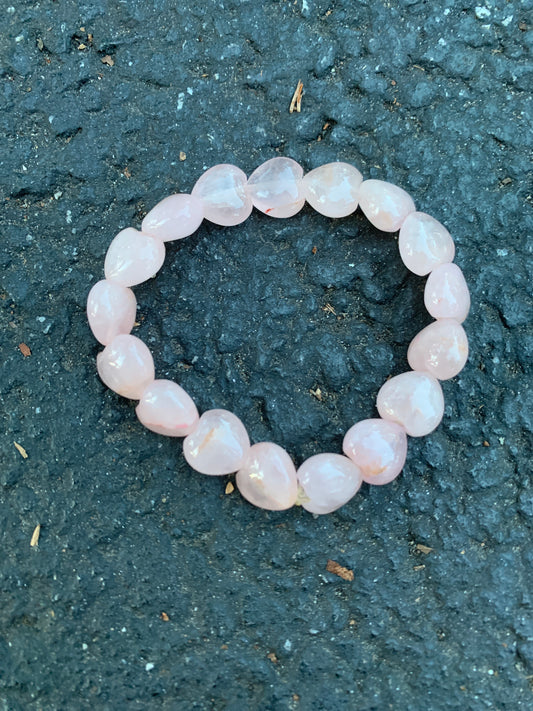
{"x": 217, "y": 443}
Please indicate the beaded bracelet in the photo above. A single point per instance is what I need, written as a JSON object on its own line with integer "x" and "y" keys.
{"x": 217, "y": 443}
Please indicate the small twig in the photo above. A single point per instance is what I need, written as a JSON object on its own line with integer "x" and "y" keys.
{"x": 423, "y": 549}
{"x": 296, "y": 102}
{"x": 35, "y": 536}
{"x": 344, "y": 573}
{"x": 20, "y": 449}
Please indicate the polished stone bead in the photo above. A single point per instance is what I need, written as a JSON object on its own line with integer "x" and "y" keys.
{"x": 327, "y": 482}
{"x": 175, "y": 217}
{"x": 126, "y": 366}
{"x": 413, "y": 400}
{"x": 222, "y": 190}
{"x": 268, "y": 477}
{"x": 276, "y": 187}
{"x": 111, "y": 310}
{"x": 333, "y": 189}
{"x": 133, "y": 257}
{"x": 385, "y": 205}
{"x": 440, "y": 349}
{"x": 446, "y": 294}
{"x": 218, "y": 444}
{"x": 424, "y": 243}
{"x": 378, "y": 447}
{"x": 167, "y": 409}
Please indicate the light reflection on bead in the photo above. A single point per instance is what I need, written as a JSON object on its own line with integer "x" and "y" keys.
{"x": 446, "y": 294}
{"x": 133, "y": 257}
{"x": 424, "y": 243}
{"x": 175, "y": 217}
{"x": 440, "y": 349}
{"x": 385, "y": 205}
{"x": 167, "y": 409}
{"x": 327, "y": 482}
{"x": 378, "y": 447}
{"x": 111, "y": 310}
{"x": 333, "y": 189}
{"x": 413, "y": 400}
{"x": 126, "y": 366}
{"x": 267, "y": 477}
{"x": 276, "y": 187}
{"x": 222, "y": 190}
{"x": 218, "y": 444}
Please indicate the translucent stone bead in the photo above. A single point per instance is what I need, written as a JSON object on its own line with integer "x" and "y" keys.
{"x": 333, "y": 189}
{"x": 424, "y": 243}
{"x": 385, "y": 205}
{"x": 327, "y": 482}
{"x": 378, "y": 447}
{"x": 167, "y": 409}
{"x": 440, "y": 349}
{"x": 268, "y": 477}
{"x": 446, "y": 294}
{"x": 111, "y": 310}
{"x": 126, "y": 366}
{"x": 414, "y": 400}
{"x": 175, "y": 217}
{"x": 218, "y": 444}
{"x": 276, "y": 187}
{"x": 133, "y": 257}
{"x": 222, "y": 190}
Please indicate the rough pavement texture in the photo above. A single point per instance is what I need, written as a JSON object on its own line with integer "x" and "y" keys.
{"x": 98, "y": 100}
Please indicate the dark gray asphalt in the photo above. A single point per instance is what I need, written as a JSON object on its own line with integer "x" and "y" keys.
{"x": 97, "y": 101}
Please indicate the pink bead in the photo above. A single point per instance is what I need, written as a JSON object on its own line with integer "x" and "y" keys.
{"x": 218, "y": 444}
{"x": 126, "y": 366}
{"x": 424, "y": 243}
{"x": 385, "y": 205}
{"x": 327, "y": 481}
{"x": 268, "y": 477}
{"x": 276, "y": 187}
{"x": 175, "y": 217}
{"x": 446, "y": 294}
{"x": 167, "y": 409}
{"x": 222, "y": 190}
{"x": 440, "y": 349}
{"x": 378, "y": 447}
{"x": 414, "y": 400}
{"x": 111, "y": 310}
{"x": 333, "y": 189}
{"x": 133, "y": 257}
